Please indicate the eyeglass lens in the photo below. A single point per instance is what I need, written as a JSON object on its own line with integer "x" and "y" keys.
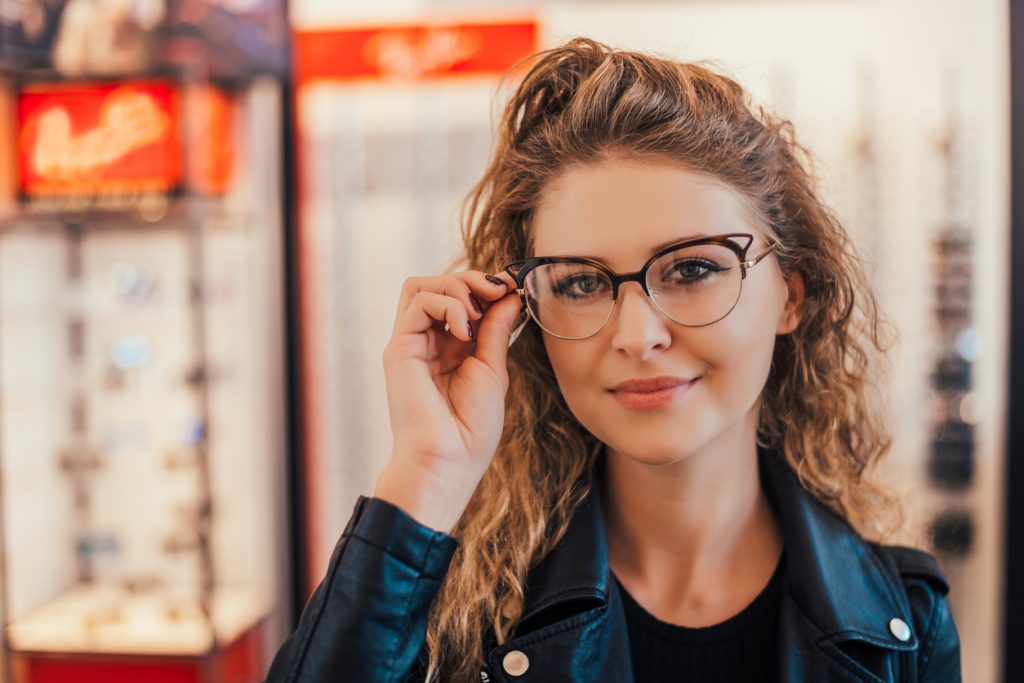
{"x": 695, "y": 285}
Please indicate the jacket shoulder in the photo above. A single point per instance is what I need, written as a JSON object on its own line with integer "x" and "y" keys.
{"x": 927, "y": 588}
{"x": 912, "y": 563}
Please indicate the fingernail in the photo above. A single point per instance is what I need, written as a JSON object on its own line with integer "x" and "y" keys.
{"x": 495, "y": 280}
{"x": 476, "y": 304}
{"x": 470, "y": 327}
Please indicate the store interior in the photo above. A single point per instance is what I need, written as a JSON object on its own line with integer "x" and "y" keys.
{"x": 201, "y": 201}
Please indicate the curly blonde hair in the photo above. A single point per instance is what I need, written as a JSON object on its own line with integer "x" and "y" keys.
{"x": 583, "y": 102}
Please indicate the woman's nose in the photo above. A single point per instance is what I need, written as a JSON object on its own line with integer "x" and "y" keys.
{"x": 638, "y": 326}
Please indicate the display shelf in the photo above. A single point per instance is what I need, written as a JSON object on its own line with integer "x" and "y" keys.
{"x": 114, "y": 620}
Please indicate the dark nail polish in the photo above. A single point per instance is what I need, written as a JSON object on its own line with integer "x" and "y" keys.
{"x": 476, "y": 304}
{"x": 470, "y": 327}
{"x": 495, "y": 280}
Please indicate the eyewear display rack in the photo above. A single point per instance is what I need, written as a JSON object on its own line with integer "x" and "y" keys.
{"x": 131, "y": 622}
{"x": 955, "y": 403}
{"x": 141, "y": 375}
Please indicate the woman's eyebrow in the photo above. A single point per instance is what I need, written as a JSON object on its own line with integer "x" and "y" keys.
{"x": 653, "y": 249}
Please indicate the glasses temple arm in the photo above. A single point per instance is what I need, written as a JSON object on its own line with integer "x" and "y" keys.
{"x": 754, "y": 261}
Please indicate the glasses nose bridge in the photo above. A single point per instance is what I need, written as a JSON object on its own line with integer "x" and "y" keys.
{"x": 639, "y": 277}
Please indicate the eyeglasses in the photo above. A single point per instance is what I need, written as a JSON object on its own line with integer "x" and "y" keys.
{"x": 695, "y": 282}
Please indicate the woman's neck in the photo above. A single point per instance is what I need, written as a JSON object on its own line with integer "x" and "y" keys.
{"x": 693, "y": 541}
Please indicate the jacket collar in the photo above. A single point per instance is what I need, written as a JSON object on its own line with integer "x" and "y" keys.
{"x": 836, "y": 579}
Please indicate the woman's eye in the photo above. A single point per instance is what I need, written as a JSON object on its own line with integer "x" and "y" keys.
{"x": 693, "y": 269}
{"x": 578, "y": 285}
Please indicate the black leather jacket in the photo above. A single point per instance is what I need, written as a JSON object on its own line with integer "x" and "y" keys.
{"x": 851, "y": 610}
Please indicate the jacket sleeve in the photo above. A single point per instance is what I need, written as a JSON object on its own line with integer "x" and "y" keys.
{"x": 366, "y": 621}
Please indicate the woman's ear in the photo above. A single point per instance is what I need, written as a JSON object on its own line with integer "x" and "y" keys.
{"x": 793, "y": 313}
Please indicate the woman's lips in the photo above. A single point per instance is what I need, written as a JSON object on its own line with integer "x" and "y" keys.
{"x": 646, "y": 400}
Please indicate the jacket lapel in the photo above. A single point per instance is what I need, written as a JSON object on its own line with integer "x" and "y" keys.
{"x": 841, "y": 593}
{"x": 577, "y": 569}
{"x": 833, "y": 623}
{"x": 573, "y": 626}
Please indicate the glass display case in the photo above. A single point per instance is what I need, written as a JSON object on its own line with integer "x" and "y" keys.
{"x": 142, "y": 389}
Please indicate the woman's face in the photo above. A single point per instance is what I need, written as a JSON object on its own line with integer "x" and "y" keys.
{"x": 620, "y": 211}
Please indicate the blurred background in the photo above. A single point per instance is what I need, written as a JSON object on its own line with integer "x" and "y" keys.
{"x": 207, "y": 209}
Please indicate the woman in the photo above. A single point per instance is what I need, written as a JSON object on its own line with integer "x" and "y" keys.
{"x": 665, "y": 477}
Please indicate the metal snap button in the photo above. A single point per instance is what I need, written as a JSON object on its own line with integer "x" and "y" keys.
{"x": 899, "y": 628}
{"x": 515, "y": 663}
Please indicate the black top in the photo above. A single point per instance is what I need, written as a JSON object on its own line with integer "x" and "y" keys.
{"x": 741, "y": 648}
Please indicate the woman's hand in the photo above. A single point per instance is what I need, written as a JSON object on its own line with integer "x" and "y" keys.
{"x": 446, "y": 390}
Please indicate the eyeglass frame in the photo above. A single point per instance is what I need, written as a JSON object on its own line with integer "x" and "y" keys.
{"x": 520, "y": 268}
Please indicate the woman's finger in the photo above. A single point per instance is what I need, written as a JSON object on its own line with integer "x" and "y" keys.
{"x": 427, "y": 308}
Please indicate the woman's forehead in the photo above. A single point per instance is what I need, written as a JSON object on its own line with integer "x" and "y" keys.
{"x": 624, "y": 209}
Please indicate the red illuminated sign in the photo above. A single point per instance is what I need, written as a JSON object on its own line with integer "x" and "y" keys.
{"x": 413, "y": 52}
{"x": 99, "y": 139}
